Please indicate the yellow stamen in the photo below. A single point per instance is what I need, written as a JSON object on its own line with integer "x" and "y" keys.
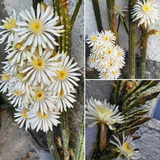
{"x": 44, "y": 116}
{"x": 109, "y": 51}
{"x": 101, "y": 110}
{"x": 39, "y": 64}
{"x": 36, "y": 26}
{"x": 119, "y": 53}
{"x": 104, "y": 74}
{"x": 106, "y": 38}
{"x": 5, "y": 76}
{"x": 146, "y": 8}
{"x": 92, "y": 60}
{"x": 62, "y": 75}
{"x": 24, "y": 113}
{"x": 94, "y": 38}
{"x": 111, "y": 64}
{"x": 18, "y": 93}
{"x": 10, "y": 24}
{"x": 127, "y": 147}
{"x": 39, "y": 95}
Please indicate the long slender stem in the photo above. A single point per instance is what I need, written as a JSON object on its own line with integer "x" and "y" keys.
{"x": 112, "y": 18}
{"x": 65, "y": 135}
{"x": 97, "y": 14}
{"x": 75, "y": 13}
{"x": 52, "y": 146}
{"x": 144, "y": 53}
{"x": 132, "y": 27}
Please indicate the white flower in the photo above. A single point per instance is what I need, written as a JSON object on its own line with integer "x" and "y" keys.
{"x": 5, "y": 82}
{"x": 114, "y": 73}
{"x": 92, "y": 61}
{"x": 39, "y": 29}
{"x": 19, "y": 97}
{"x": 43, "y": 100}
{"x": 107, "y": 38}
{"x": 67, "y": 76}
{"x": 119, "y": 11}
{"x": 103, "y": 75}
{"x": 119, "y": 54}
{"x": 110, "y": 53}
{"x": 18, "y": 56}
{"x": 43, "y": 122}
{"x": 9, "y": 24}
{"x": 41, "y": 69}
{"x": 93, "y": 39}
{"x": 13, "y": 69}
{"x": 65, "y": 101}
{"x": 147, "y": 12}
{"x": 103, "y": 112}
{"x": 22, "y": 117}
{"x": 126, "y": 148}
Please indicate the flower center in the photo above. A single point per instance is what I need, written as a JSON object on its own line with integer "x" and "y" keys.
{"x": 94, "y": 38}
{"x": 62, "y": 74}
{"x": 24, "y": 113}
{"x": 10, "y": 24}
{"x": 106, "y": 38}
{"x": 5, "y": 77}
{"x": 39, "y": 95}
{"x": 113, "y": 72}
{"x": 101, "y": 110}
{"x": 119, "y": 54}
{"x": 92, "y": 60}
{"x": 146, "y": 8}
{"x": 18, "y": 93}
{"x": 44, "y": 116}
{"x": 127, "y": 147}
{"x": 111, "y": 64}
{"x": 104, "y": 74}
{"x": 109, "y": 51}
{"x": 36, "y": 26}
{"x": 39, "y": 64}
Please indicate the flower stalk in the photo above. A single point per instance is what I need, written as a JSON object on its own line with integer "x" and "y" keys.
{"x": 103, "y": 137}
{"x": 132, "y": 27}
{"x": 97, "y": 14}
{"x": 111, "y": 18}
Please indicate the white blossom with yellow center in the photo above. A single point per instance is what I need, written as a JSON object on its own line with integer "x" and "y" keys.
{"x": 22, "y": 117}
{"x": 66, "y": 76}
{"x": 43, "y": 100}
{"x": 41, "y": 69}
{"x": 38, "y": 28}
{"x": 146, "y": 12}
{"x": 126, "y": 148}
{"x": 119, "y": 11}
{"x": 8, "y": 33}
{"x": 5, "y": 81}
{"x": 43, "y": 122}
{"x": 102, "y": 112}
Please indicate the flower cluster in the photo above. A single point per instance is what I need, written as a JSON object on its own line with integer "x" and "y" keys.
{"x": 38, "y": 81}
{"x": 106, "y": 57}
{"x": 146, "y": 12}
{"x": 102, "y": 112}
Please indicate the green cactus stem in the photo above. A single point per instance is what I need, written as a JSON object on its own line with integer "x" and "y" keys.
{"x": 35, "y": 2}
{"x": 52, "y": 146}
{"x": 151, "y": 32}
{"x": 80, "y": 149}
{"x": 143, "y": 52}
{"x": 112, "y": 18}
{"x": 132, "y": 28}
{"x": 75, "y": 13}
{"x": 97, "y": 14}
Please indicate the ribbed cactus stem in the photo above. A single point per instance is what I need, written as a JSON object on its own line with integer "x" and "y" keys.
{"x": 112, "y": 18}
{"x": 143, "y": 52}
{"x": 132, "y": 44}
{"x": 65, "y": 135}
{"x": 52, "y": 146}
{"x": 97, "y": 14}
{"x": 80, "y": 149}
